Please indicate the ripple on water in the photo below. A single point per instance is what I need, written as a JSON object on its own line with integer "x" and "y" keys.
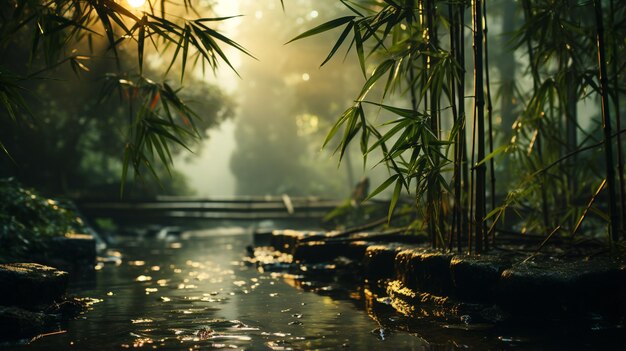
{"x": 212, "y": 333}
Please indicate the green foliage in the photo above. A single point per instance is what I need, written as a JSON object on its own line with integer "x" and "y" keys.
{"x": 414, "y": 148}
{"x": 82, "y": 34}
{"x": 27, "y": 219}
{"x": 162, "y": 119}
{"x": 548, "y": 162}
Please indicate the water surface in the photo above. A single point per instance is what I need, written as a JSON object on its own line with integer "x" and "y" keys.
{"x": 199, "y": 294}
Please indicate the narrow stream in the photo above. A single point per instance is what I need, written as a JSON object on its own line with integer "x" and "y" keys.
{"x": 198, "y": 294}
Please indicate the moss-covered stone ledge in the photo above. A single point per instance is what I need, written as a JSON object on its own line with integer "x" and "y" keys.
{"x": 482, "y": 288}
{"x": 551, "y": 289}
{"x": 72, "y": 252}
{"x": 287, "y": 240}
{"x": 31, "y": 284}
{"x": 33, "y": 300}
{"x": 324, "y": 251}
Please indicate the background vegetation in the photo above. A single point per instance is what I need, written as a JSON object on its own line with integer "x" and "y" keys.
{"x": 490, "y": 135}
{"x": 523, "y": 146}
{"x": 28, "y": 219}
{"x": 85, "y": 99}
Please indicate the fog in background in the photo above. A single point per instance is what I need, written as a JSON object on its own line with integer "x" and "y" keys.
{"x": 285, "y": 104}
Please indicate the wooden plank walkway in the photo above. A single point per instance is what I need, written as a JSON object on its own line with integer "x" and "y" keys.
{"x": 225, "y": 208}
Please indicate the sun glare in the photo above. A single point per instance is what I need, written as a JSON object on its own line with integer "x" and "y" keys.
{"x": 136, "y": 3}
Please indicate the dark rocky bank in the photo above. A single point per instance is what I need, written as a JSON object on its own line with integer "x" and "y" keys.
{"x": 33, "y": 296}
{"x": 501, "y": 287}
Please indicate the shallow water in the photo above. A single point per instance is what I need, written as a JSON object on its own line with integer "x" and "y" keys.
{"x": 197, "y": 294}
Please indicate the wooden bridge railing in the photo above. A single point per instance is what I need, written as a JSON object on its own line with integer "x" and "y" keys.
{"x": 225, "y": 208}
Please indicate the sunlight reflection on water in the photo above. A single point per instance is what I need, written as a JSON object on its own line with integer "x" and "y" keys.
{"x": 203, "y": 297}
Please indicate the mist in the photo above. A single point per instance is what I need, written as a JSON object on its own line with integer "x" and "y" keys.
{"x": 285, "y": 104}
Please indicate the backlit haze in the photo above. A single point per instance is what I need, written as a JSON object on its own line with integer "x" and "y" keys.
{"x": 271, "y": 93}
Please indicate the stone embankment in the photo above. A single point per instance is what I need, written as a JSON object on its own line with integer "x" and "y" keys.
{"x": 499, "y": 287}
{"x": 33, "y": 295}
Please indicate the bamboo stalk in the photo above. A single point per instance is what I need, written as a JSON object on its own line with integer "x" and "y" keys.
{"x": 433, "y": 195}
{"x": 462, "y": 185}
{"x": 492, "y": 171}
{"x": 606, "y": 123}
{"x": 618, "y": 125}
{"x": 536, "y": 79}
{"x": 456, "y": 218}
{"x": 479, "y": 108}
{"x": 589, "y": 204}
{"x": 465, "y": 214}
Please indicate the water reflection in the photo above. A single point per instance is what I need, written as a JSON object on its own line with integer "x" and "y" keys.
{"x": 202, "y": 294}
{"x": 197, "y": 294}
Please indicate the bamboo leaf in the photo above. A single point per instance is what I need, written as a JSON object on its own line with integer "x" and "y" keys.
{"x": 125, "y": 162}
{"x": 108, "y": 28}
{"x": 493, "y": 154}
{"x": 401, "y": 124}
{"x": 402, "y": 112}
{"x": 340, "y": 41}
{"x": 358, "y": 40}
{"x": 378, "y": 72}
{"x": 224, "y": 39}
{"x": 351, "y": 129}
{"x": 213, "y": 19}
{"x": 185, "y": 51}
{"x": 120, "y": 9}
{"x": 345, "y": 116}
{"x": 394, "y": 198}
{"x": 324, "y": 27}
{"x": 382, "y": 187}
{"x": 140, "y": 42}
{"x": 346, "y": 4}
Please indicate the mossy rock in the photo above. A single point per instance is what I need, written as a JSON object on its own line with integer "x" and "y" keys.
{"x": 424, "y": 270}
{"x": 378, "y": 262}
{"x": 31, "y": 284}
{"x": 287, "y": 240}
{"x": 572, "y": 288}
{"x": 476, "y": 278}
{"x": 18, "y": 323}
{"x": 326, "y": 251}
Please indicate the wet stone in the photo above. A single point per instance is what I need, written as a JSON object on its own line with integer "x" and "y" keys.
{"x": 71, "y": 251}
{"x": 424, "y": 270}
{"x": 421, "y": 304}
{"x": 31, "y": 284}
{"x": 324, "y": 251}
{"x": 262, "y": 237}
{"x": 575, "y": 288}
{"x": 17, "y": 323}
{"x": 476, "y": 278}
{"x": 287, "y": 240}
{"x": 396, "y": 238}
{"x": 67, "y": 308}
{"x": 378, "y": 262}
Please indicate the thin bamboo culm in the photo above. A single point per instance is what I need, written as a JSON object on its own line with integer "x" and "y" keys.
{"x": 606, "y": 123}
{"x": 479, "y": 110}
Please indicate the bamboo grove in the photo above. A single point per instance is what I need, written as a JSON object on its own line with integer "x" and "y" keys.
{"x": 535, "y": 150}
{"x": 83, "y": 33}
